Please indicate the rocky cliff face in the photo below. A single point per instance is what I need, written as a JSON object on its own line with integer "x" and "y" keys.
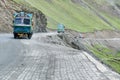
{"x": 8, "y": 8}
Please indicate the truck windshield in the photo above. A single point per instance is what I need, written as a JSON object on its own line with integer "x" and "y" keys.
{"x": 27, "y": 21}
{"x": 18, "y": 21}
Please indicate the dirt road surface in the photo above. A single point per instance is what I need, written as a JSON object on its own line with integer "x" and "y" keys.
{"x": 38, "y": 59}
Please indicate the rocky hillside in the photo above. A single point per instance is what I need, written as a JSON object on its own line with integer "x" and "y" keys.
{"x": 9, "y": 7}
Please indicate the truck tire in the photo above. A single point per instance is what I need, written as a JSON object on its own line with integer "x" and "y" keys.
{"x": 15, "y": 35}
{"x": 58, "y": 31}
{"x": 29, "y": 36}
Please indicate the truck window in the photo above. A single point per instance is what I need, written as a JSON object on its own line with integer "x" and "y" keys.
{"x": 27, "y": 21}
{"x": 18, "y": 21}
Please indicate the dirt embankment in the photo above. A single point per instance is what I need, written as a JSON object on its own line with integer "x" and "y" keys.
{"x": 8, "y": 8}
{"x": 83, "y": 41}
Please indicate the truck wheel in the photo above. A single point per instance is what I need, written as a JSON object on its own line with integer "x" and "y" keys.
{"x": 58, "y": 31}
{"x": 15, "y": 35}
{"x": 29, "y": 36}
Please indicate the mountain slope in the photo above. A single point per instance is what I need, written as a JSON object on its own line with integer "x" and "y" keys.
{"x": 80, "y": 15}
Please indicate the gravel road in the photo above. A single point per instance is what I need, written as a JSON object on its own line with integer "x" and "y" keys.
{"x": 36, "y": 59}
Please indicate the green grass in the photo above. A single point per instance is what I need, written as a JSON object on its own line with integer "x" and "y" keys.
{"x": 107, "y": 56}
{"x": 115, "y": 21}
{"x": 73, "y": 16}
{"x": 100, "y": 2}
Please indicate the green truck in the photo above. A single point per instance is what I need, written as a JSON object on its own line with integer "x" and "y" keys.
{"x": 60, "y": 28}
{"x": 22, "y": 25}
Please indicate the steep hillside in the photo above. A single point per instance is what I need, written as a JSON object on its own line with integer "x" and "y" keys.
{"x": 8, "y": 8}
{"x": 6, "y": 17}
{"x": 80, "y": 15}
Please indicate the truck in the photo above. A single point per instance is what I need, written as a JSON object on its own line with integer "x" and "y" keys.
{"x": 60, "y": 28}
{"x": 22, "y": 25}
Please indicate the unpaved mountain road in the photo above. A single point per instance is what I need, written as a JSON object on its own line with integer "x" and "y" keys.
{"x": 35, "y": 59}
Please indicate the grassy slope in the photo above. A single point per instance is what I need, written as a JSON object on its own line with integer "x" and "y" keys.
{"x": 73, "y": 16}
{"x": 115, "y": 21}
{"x": 106, "y": 56}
